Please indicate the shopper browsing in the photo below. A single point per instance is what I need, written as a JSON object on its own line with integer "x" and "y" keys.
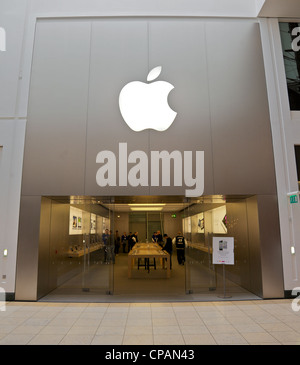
{"x": 180, "y": 248}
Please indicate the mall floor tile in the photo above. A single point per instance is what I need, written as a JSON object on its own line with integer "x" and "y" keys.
{"x": 253, "y": 322}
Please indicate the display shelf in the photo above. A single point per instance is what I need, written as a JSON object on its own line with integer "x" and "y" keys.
{"x": 80, "y": 252}
{"x": 200, "y": 246}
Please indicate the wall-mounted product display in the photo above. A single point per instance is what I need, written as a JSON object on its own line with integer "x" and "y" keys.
{"x": 90, "y": 226}
{"x": 200, "y": 219}
{"x": 93, "y": 223}
{"x": 219, "y": 220}
{"x": 81, "y": 250}
{"x": 216, "y": 217}
{"x": 199, "y": 227}
{"x": 75, "y": 226}
{"x": 187, "y": 225}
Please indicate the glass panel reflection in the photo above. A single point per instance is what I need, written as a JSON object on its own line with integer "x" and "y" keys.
{"x": 216, "y": 217}
{"x": 82, "y": 243}
{"x": 81, "y": 256}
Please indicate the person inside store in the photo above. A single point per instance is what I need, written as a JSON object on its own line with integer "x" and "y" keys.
{"x": 159, "y": 238}
{"x": 168, "y": 247}
{"x": 117, "y": 243}
{"x": 135, "y": 237}
{"x": 180, "y": 248}
{"x": 111, "y": 248}
{"x": 105, "y": 240}
{"x": 130, "y": 241}
{"x": 154, "y": 237}
{"x": 124, "y": 241}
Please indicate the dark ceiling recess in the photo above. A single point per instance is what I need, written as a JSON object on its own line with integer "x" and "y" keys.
{"x": 297, "y": 154}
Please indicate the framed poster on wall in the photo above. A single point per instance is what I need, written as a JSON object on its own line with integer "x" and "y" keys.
{"x": 93, "y": 223}
{"x": 75, "y": 225}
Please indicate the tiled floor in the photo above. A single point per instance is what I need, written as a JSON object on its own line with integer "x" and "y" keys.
{"x": 193, "y": 323}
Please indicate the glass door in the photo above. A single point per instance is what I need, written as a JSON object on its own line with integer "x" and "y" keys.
{"x": 145, "y": 224}
{"x": 149, "y": 217}
{"x": 204, "y": 218}
{"x": 98, "y": 242}
{"x": 77, "y": 245}
{"x": 226, "y": 220}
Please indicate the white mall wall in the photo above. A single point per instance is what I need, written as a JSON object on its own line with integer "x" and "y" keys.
{"x": 18, "y": 18}
{"x": 286, "y": 134}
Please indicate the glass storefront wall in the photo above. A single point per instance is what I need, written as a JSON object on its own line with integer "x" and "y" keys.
{"x": 223, "y": 218}
{"x": 78, "y": 257}
{"x": 76, "y": 250}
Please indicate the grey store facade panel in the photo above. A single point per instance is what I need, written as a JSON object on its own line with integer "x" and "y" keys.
{"x": 216, "y": 67}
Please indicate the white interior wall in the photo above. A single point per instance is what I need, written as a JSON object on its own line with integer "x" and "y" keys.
{"x": 121, "y": 222}
{"x": 12, "y": 134}
{"x": 232, "y": 8}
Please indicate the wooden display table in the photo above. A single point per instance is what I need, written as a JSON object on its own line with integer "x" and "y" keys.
{"x": 148, "y": 251}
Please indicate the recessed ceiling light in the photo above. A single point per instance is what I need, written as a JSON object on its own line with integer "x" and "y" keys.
{"x": 146, "y": 208}
{"x": 147, "y": 205}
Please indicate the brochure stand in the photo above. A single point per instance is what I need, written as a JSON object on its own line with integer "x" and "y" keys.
{"x": 223, "y": 253}
{"x": 225, "y": 296}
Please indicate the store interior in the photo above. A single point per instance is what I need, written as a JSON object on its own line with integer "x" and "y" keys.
{"x": 75, "y": 264}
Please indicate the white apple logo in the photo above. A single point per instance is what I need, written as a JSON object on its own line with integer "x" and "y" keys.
{"x": 145, "y": 106}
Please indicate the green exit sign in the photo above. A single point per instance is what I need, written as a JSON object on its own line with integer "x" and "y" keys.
{"x": 173, "y": 215}
{"x": 293, "y": 199}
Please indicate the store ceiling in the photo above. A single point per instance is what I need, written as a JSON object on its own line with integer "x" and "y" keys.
{"x": 171, "y": 204}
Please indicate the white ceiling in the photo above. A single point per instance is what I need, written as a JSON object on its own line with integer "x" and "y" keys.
{"x": 280, "y": 9}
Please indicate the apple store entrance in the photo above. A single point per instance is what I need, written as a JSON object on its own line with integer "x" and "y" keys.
{"x": 85, "y": 257}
